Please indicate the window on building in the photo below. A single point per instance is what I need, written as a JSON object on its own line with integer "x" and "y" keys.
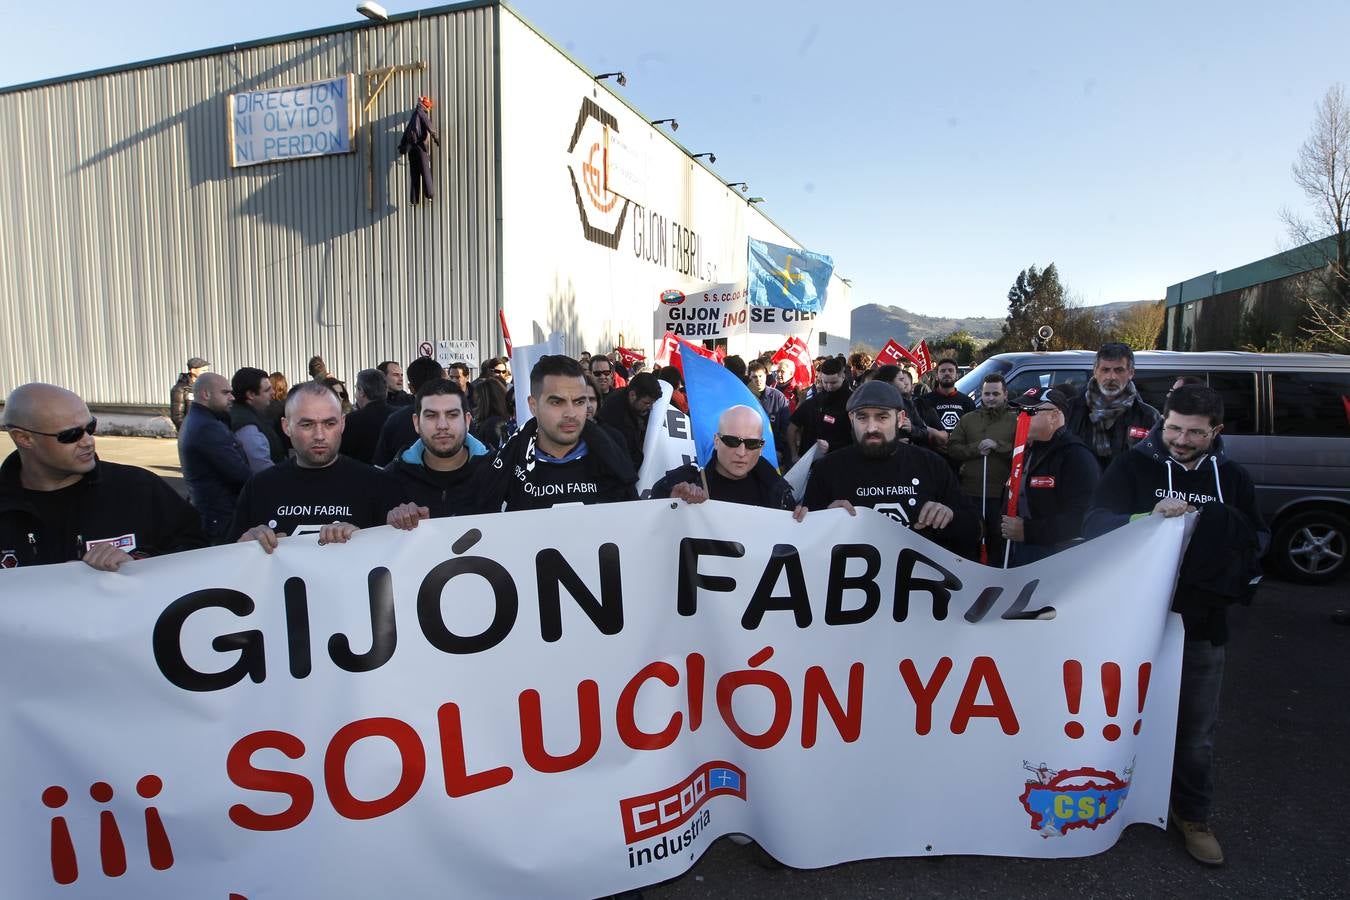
{"x": 1312, "y": 404}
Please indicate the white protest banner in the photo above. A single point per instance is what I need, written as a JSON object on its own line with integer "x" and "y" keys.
{"x": 669, "y": 445}
{"x": 523, "y": 358}
{"x": 573, "y": 702}
{"x": 293, "y": 122}
{"x": 713, "y": 311}
{"x": 771, "y": 320}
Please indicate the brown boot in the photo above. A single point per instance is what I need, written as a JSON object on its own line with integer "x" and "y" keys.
{"x": 1201, "y": 843}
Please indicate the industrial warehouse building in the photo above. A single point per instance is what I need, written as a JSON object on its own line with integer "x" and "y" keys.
{"x": 248, "y": 204}
{"x": 1243, "y": 307}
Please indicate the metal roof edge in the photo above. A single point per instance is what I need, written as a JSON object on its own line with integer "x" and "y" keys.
{"x": 247, "y": 45}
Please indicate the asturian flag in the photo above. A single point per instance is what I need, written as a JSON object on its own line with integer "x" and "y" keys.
{"x": 788, "y": 277}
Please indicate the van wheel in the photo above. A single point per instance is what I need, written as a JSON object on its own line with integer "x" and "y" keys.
{"x": 1312, "y": 547}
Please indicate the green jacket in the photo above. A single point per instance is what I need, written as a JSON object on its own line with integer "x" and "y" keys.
{"x": 964, "y": 445}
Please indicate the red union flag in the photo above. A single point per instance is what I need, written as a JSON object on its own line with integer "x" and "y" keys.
{"x": 506, "y": 332}
{"x": 668, "y": 349}
{"x": 629, "y": 357}
{"x": 794, "y": 350}
{"x": 893, "y": 354}
{"x": 923, "y": 360}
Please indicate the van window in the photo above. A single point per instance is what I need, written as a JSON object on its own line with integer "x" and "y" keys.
{"x": 1041, "y": 377}
{"x": 1238, "y": 390}
{"x": 1154, "y": 385}
{"x": 1312, "y": 404}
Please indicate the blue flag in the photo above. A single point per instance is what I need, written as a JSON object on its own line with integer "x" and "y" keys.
{"x": 712, "y": 390}
{"x": 787, "y": 277}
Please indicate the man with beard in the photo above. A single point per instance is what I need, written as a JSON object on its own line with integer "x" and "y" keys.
{"x": 558, "y": 457}
{"x": 738, "y": 474}
{"x": 943, "y": 407}
{"x": 1181, "y": 467}
{"x": 438, "y": 471}
{"x": 1110, "y": 416}
{"x": 59, "y": 502}
{"x": 774, "y": 403}
{"x": 318, "y": 490}
{"x": 911, "y": 485}
{"x": 823, "y": 415}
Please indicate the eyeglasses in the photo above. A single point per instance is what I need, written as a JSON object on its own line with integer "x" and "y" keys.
{"x": 498, "y": 371}
{"x": 1195, "y": 434}
{"x": 65, "y": 435}
{"x": 733, "y": 442}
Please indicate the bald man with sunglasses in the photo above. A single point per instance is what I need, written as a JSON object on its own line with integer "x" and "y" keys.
{"x": 738, "y": 473}
{"x": 59, "y": 502}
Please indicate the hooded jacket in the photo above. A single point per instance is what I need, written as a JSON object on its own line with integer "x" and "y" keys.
{"x": 519, "y": 478}
{"x": 455, "y": 494}
{"x": 774, "y": 491}
{"x": 215, "y": 468}
{"x": 1138, "y": 479}
{"x": 131, "y": 505}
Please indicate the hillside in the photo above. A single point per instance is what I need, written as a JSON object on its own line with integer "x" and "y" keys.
{"x": 874, "y": 324}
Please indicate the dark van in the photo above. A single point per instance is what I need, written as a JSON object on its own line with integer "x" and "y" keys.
{"x": 1287, "y": 420}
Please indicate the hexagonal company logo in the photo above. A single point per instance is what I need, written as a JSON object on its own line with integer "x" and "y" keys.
{"x": 602, "y": 215}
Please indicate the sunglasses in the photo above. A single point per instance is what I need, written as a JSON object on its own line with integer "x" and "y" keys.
{"x": 602, "y": 373}
{"x": 66, "y": 435}
{"x": 733, "y": 442}
{"x": 498, "y": 371}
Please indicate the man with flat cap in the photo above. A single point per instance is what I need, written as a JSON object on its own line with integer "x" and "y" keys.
{"x": 1058, "y": 477}
{"x": 59, "y": 502}
{"x": 910, "y": 484}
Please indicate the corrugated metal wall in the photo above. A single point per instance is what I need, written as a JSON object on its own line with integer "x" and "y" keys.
{"x": 128, "y": 244}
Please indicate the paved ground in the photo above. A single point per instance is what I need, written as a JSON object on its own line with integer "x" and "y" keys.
{"x": 1283, "y": 780}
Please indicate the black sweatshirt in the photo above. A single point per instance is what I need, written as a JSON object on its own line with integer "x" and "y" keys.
{"x": 898, "y": 486}
{"x": 295, "y": 500}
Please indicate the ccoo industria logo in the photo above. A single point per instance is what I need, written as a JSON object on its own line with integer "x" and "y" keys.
{"x": 648, "y": 815}
{"x": 601, "y": 210}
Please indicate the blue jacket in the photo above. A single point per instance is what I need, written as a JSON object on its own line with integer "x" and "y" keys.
{"x": 214, "y": 467}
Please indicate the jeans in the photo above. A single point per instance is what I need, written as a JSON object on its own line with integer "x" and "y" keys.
{"x": 1197, "y": 714}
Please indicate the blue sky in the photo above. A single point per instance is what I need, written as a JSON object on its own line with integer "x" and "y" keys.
{"x": 933, "y": 149}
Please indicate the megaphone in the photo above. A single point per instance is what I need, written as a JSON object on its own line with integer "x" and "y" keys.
{"x": 1045, "y": 332}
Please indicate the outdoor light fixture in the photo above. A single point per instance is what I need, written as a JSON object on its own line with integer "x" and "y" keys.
{"x": 739, "y": 184}
{"x": 755, "y": 200}
{"x": 674, "y": 126}
{"x": 622, "y": 78}
{"x": 373, "y": 11}
{"x": 712, "y": 158}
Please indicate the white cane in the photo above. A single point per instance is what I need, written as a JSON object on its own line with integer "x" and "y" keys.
{"x": 984, "y": 513}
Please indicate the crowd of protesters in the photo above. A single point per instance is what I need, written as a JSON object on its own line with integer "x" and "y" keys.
{"x": 262, "y": 459}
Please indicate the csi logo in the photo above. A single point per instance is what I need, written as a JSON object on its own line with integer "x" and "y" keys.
{"x": 672, "y": 298}
{"x": 601, "y": 214}
{"x": 648, "y": 815}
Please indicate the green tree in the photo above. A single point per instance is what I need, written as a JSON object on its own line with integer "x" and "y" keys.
{"x": 1141, "y": 327}
{"x": 960, "y": 345}
{"x": 1322, "y": 171}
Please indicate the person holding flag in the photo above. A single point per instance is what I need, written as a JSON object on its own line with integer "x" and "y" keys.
{"x": 1059, "y": 474}
{"x": 738, "y": 472}
{"x": 911, "y": 485}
